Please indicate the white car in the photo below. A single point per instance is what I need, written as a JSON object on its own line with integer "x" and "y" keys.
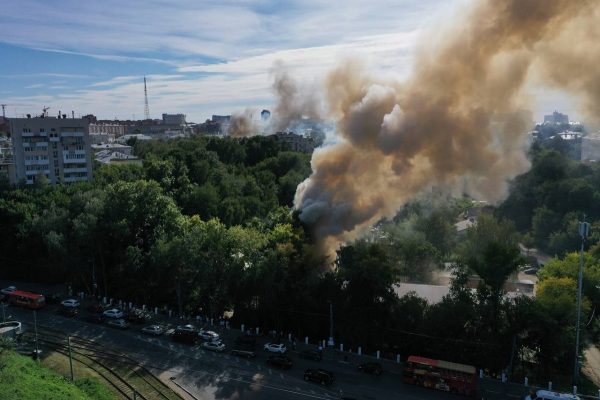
{"x": 155, "y": 330}
{"x": 213, "y": 346}
{"x": 8, "y": 290}
{"x": 71, "y": 303}
{"x": 186, "y": 328}
{"x": 208, "y": 335}
{"x": 275, "y": 348}
{"x": 113, "y": 313}
{"x": 118, "y": 323}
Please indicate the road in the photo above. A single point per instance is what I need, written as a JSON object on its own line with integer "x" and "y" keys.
{"x": 209, "y": 375}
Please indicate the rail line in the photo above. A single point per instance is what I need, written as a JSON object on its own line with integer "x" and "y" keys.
{"x": 103, "y": 362}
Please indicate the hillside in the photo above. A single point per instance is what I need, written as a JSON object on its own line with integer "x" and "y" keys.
{"x": 23, "y": 379}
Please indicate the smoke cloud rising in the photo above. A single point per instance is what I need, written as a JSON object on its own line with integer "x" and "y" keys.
{"x": 455, "y": 123}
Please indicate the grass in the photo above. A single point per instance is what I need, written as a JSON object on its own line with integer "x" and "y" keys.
{"x": 21, "y": 378}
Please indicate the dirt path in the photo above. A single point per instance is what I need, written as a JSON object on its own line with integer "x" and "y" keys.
{"x": 591, "y": 366}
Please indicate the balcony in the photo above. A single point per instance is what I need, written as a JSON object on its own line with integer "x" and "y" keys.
{"x": 37, "y": 162}
{"x": 72, "y": 170}
{"x": 72, "y": 134}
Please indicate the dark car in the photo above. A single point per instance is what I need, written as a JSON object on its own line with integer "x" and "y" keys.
{"x": 243, "y": 353}
{"x": 68, "y": 311}
{"x": 93, "y": 318}
{"x": 371, "y": 368}
{"x": 52, "y": 298}
{"x": 138, "y": 317}
{"x": 280, "y": 361}
{"x": 311, "y": 355}
{"x": 187, "y": 337}
{"x": 319, "y": 375}
{"x": 246, "y": 341}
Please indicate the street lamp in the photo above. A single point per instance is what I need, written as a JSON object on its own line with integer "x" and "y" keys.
{"x": 584, "y": 228}
{"x": 330, "y": 342}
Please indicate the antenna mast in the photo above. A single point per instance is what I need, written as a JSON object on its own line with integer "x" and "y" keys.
{"x": 146, "y": 108}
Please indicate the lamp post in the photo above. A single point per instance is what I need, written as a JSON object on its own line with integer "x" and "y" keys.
{"x": 584, "y": 229}
{"x": 330, "y": 342}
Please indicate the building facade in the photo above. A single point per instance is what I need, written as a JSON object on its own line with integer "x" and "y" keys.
{"x": 110, "y": 129}
{"x": 57, "y": 148}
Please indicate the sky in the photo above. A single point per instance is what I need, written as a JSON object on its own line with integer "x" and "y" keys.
{"x": 200, "y": 58}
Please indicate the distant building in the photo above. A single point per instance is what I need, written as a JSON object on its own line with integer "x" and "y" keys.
{"x": 221, "y": 118}
{"x": 115, "y": 157}
{"x": 118, "y": 147}
{"x": 107, "y": 128}
{"x": 57, "y": 148}
{"x": 138, "y": 136}
{"x": 295, "y": 142}
{"x": 569, "y": 135}
{"x": 556, "y": 118}
{"x": 173, "y": 119}
{"x": 590, "y": 147}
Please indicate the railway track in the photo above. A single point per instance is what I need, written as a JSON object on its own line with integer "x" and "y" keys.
{"x": 130, "y": 379}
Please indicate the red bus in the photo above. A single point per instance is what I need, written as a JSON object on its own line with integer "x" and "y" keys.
{"x": 440, "y": 375}
{"x": 27, "y": 299}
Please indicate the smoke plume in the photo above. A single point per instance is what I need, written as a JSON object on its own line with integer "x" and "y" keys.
{"x": 456, "y": 123}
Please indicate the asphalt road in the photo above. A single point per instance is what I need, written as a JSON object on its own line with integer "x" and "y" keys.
{"x": 208, "y": 375}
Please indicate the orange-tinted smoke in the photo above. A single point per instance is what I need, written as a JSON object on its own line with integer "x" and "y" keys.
{"x": 457, "y": 123}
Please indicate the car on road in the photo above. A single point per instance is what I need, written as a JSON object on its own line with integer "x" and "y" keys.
{"x": 280, "y": 361}
{"x": 154, "y": 330}
{"x": 187, "y": 328}
{"x": 6, "y": 291}
{"x": 275, "y": 348}
{"x": 311, "y": 355}
{"x": 70, "y": 303}
{"x": 319, "y": 375}
{"x": 68, "y": 311}
{"x": 243, "y": 353}
{"x": 118, "y": 323}
{"x": 213, "y": 346}
{"x": 113, "y": 313}
{"x": 208, "y": 335}
{"x": 371, "y": 368}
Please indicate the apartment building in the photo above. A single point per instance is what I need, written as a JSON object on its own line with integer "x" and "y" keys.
{"x": 58, "y": 148}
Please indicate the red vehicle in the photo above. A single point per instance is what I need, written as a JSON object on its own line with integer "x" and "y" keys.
{"x": 30, "y": 300}
{"x": 440, "y": 375}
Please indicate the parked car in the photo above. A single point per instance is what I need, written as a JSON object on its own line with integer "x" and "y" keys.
{"x": 371, "y": 368}
{"x": 275, "y": 348}
{"x": 208, "y": 335}
{"x": 213, "y": 346}
{"x": 6, "y": 291}
{"x": 185, "y": 336}
{"x": 319, "y": 375}
{"x": 113, "y": 313}
{"x": 280, "y": 361}
{"x": 531, "y": 271}
{"x": 187, "y": 328}
{"x": 311, "y": 355}
{"x": 70, "y": 303}
{"x": 68, "y": 311}
{"x": 155, "y": 330}
{"x": 94, "y": 318}
{"x": 246, "y": 340}
{"x": 139, "y": 316}
{"x": 118, "y": 323}
{"x": 243, "y": 353}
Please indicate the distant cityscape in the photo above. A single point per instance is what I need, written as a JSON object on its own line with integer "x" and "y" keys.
{"x": 63, "y": 149}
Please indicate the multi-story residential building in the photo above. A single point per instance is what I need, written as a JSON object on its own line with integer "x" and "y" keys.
{"x": 57, "y": 148}
{"x": 295, "y": 142}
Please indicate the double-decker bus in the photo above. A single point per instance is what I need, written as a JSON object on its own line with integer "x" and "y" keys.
{"x": 440, "y": 375}
{"x": 30, "y": 300}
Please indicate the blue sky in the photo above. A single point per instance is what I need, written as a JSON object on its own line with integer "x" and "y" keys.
{"x": 199, "y": 57}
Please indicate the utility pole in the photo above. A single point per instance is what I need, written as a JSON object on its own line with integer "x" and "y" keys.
{"x": 584, "y": 228}
{"x": 37, "y": 350}
{"x": 331, "y": 342}
{"x": 70, "y": 356}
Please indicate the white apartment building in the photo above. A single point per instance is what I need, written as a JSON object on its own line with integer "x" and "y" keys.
{"x": 58, "y": 148}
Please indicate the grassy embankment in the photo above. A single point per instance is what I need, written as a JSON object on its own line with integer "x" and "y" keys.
{"x": 21, "y": 378}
